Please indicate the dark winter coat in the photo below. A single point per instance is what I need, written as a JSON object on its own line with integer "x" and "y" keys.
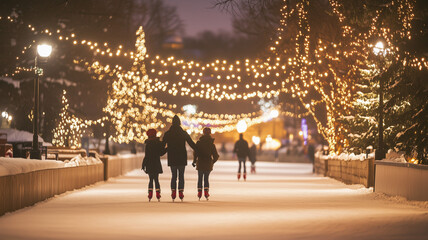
{"x": 175, "y": 139}
{"x": 205, "y": 154}
{"x": 253, "y": 154}
{"x": 154, "y": 150}
{"x": 241, "y": 148}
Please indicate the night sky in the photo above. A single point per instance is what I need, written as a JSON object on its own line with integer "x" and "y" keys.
{"x": 200, "y": 15}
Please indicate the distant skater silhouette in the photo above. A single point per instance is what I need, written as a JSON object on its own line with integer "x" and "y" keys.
{"x": 175, "y": 139}
{"x": 242, "y": 152}
{"x": 253, "y": 157}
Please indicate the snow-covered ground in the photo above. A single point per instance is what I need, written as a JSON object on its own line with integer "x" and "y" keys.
{"x": 281, "y": 201}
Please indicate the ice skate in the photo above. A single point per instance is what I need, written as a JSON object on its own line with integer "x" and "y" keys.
{"x": 173, "y": 194}
{"x": 239, "y": 176}
{"x": 150, "y": 195}
{"x": 181, "y": 194}
{"x": 158, "y": 195}
{"x": 206, "y": 194}
{"x": 199, "y": 193}
{"x": 245, "y": 176}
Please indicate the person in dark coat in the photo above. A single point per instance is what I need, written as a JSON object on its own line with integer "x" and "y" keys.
{"x": 151, "y": 162}
{"x": 205, "y": 156}
{"x": 242, "y": 151}
{"x": 175, "y": 139}
{"x": 253, "y": 157}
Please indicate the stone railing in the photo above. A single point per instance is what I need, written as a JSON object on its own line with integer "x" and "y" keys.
{"x": 347, "y": 171}
{"x": 118, "y": 165}
{"x": 25, "y": 189}
{"x": 402, "y": 179}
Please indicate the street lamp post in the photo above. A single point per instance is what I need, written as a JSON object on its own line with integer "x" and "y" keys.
{"x": 44, "y": 51}
{"x": 380, "y": 152}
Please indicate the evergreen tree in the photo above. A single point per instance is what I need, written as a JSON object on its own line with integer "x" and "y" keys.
{"x": 127, "y": 102}
{"x": 69, "y": 129}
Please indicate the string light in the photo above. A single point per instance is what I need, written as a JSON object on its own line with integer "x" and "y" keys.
{"x": 311, "y": 65}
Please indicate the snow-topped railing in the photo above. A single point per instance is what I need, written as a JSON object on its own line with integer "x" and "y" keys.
{"x": 29, "y": 187}
{"x": 121, "y": 164}
{"x": 402, "y": 179}
{"x": 348, "y": 168}
{"x": 24, "y": 182}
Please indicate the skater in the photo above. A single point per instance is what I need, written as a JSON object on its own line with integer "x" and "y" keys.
{"x": 205, "y": 156}
{"x": 151, "y": 162}
{"x": 252, "y": 157}
{"x": 242, "y": 151}
{"x": 175, "y": 139}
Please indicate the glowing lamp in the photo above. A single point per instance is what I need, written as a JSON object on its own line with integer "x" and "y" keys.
{"x": 241, "y": 126}
{"x": 189, "y": 109}
{"x": 256, "y": 140}
{"x": 271, "y": 143}
{"x": 379, "y": 48}
{"x": 274, "y": 113}
{"x": 44, "y": 50}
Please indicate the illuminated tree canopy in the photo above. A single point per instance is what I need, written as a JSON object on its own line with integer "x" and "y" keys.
{"x": 322, "y": 71}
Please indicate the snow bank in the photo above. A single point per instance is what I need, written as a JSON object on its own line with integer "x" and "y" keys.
{"x": 15, "y": 83}
{"x": 14, "y": 135}
{"x": 82, "y": 161}
{"x": 344, "y": 156}
{"x": 400, "y": 200}
{"x": 393, "y": 156}
{"x": 12, "y": 166}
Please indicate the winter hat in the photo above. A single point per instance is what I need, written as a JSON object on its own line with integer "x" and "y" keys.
{"x": 151, "y": 133}
{"x": 176, "y": 120}
{"x": 207, "y": 131}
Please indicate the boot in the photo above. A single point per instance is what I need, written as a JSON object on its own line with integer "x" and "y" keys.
{"x": 150, "y": 194}
{"x": 239, "y": 176}
{"x": 173, "y": 194}
{"x": 158, "y": 195}
{"x": 245, "y": 176}
{"x": 181, "y": 194}
{"x": 206, "y": 194}
{"x": 253, "y": 169}
{"x": 199, "y": 193}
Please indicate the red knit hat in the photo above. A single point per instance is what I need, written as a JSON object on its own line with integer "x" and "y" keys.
{"x": 207, "y": 131}
{"x": 151, "y": 133}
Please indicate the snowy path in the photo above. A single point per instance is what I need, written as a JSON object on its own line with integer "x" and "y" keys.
{"x": 282, "y": 201}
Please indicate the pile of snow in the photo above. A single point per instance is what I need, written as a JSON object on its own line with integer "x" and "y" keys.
{"x": 344, "y": 156}
{"x": 12, "y": 166}
{"x": 393, "y": 156}
{"x": 15, "y": 83}
{"x": 14, "y": 135}
{"x": 82, "y": 161}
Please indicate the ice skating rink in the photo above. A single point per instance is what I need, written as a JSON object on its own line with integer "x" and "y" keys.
{"x": 281, "y": 201}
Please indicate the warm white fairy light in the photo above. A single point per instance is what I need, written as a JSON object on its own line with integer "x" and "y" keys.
{"x": 329, "y": 69}
{"x": 69, "y": 129}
